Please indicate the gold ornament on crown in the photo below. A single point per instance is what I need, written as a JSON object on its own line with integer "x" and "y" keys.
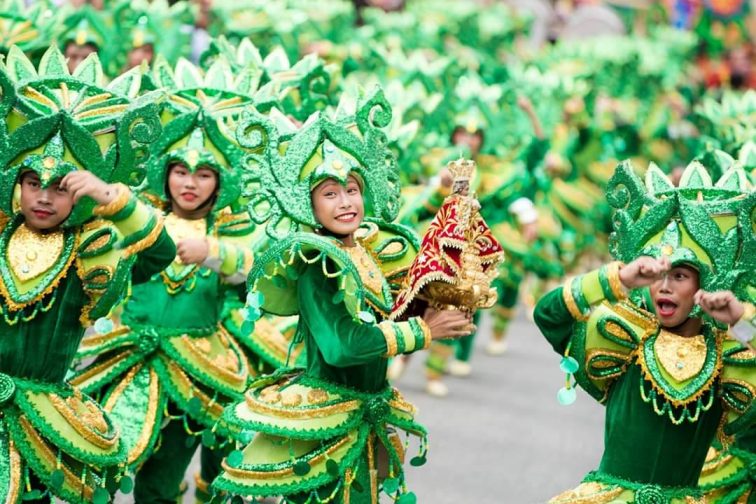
{"x": 461, "y": 169}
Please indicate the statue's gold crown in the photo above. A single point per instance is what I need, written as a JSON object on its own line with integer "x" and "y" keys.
{"x": 461, "y": 169}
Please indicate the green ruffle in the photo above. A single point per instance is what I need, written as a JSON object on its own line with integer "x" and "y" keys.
{"x": 309, "y": 433}
{"x": 46, "y": 441}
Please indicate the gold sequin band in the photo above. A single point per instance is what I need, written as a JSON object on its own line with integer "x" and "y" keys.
{"x": 119, "y": 202}
{"x": 389, "y": 332}
{"x": 569, "y": 301}
{"x": 615, "y": 283}
{"x": 148, "y": 240}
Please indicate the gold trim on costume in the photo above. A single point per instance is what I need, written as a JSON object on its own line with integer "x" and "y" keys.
{"x": 119, "y": 202}
{"x": 615, "y": 284}
{"x": 88, "y": 422}
{"x": 389, "y": 333}
{"x": 680, "y": 356}
{"x": 597, "y": 352}
{"x": 147, "y": 241}
{"x": 31, "y": 254}
{"x": 12, "y": 305}
{"x": 249, "y": 473}
{"x": 570, "y": 302}
{"x": 427, "y": 338}
{"x": 640, "y": 357}
{"x": 50, "y": 459}
{"x": 334, "y": 409}
{"x": 14, "y": 485}
{"x": 92, "y": 371}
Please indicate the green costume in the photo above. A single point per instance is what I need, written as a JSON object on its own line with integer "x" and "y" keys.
{"x": 667, "y": 396}
{"x": 171, "y": 359}
{"x": 53, "y": 285}
{"x": 325, "y": 433}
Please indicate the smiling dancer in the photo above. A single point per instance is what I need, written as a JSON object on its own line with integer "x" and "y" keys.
{"x": 60, "y": 269}
{"x": 326, "y": 433}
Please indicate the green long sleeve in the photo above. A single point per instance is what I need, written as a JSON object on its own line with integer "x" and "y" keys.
{"x": 554, "y": 320}
{"x": 339, "y": 349}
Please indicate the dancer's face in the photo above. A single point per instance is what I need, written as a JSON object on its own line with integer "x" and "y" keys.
{"x": 191, "y": 191}
{"x": 44, "y": 209}
{"x": 76, "y": 53}
{"x": 473, "y": 141}
{"x": 339, "y": 208}
{"x": 673, "y": 295}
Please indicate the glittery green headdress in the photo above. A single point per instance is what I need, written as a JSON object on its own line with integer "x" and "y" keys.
{"x": 709, "y": 226}
{"x": 85, "y": 26}
{"x": 54, "y": 123}
{"x": 299, "y": 89}
{"x": 322, "y": 148}
{"x": 155, "y": 23}
{"x": 730, "y": 121}
{"x": 26, "y": 27}
{"x": 199, "y": 117}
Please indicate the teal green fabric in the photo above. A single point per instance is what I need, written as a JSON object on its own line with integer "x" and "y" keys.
{"x": 639, "y": 445}
{"x": 339, "y": 349}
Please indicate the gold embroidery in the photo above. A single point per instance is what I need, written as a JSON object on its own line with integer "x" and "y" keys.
{"x": 255, "y": 405}
{"x": 744, "y": 398}
{"x": 93, "y": 371}
{"x": 181, "y": 380}
{"x": 86, "y": 419}
{"x": 15, "y": 473}
{"x": 427, "y": 338}
{"x": 31, "y": 254}
{"x": 636, "y": 316}
{"x": 370, "y": 274}
{"x": 640, "y": 356}
{"x": 179, "y": 229}
{"x": 615, "y": 284}
{"x": 389, "y": 333}
{"x": 570, "y": 302}
{"x": 317, "y": 396}
{"x": 715, "y": 460}
{"x": 147, "y": 241}
{"x": 291, "y": 399}
{"x": 604, "y": 364}
{"x": 618, "y": 332}
{"x": 682, "y": 357}
{"x": 226, "y": 364}
{"x": 588, "y": 493}
{"x": 119, "y": 202}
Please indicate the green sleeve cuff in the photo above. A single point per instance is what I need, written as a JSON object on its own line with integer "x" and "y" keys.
{"x": 232, "y": 258}
{"x": 405, "y": 337}
{"x": 584, "y": 291}
{"x": 138, "y": 224}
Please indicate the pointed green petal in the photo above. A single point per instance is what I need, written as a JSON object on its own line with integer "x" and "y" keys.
{"x": 127, "y": 84}
{"x": 277, "y": 61}
{"x": 219, "y": 75}
{"x": 18, "y": 65}
{"x": 734, "y": 179}
{"x": 656, "y": 180}
{"x": 695, "y": 176}
{"x": 188, "y": 75}
{"x": 53, "y": 63}
{"x": 89, "y": 70}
